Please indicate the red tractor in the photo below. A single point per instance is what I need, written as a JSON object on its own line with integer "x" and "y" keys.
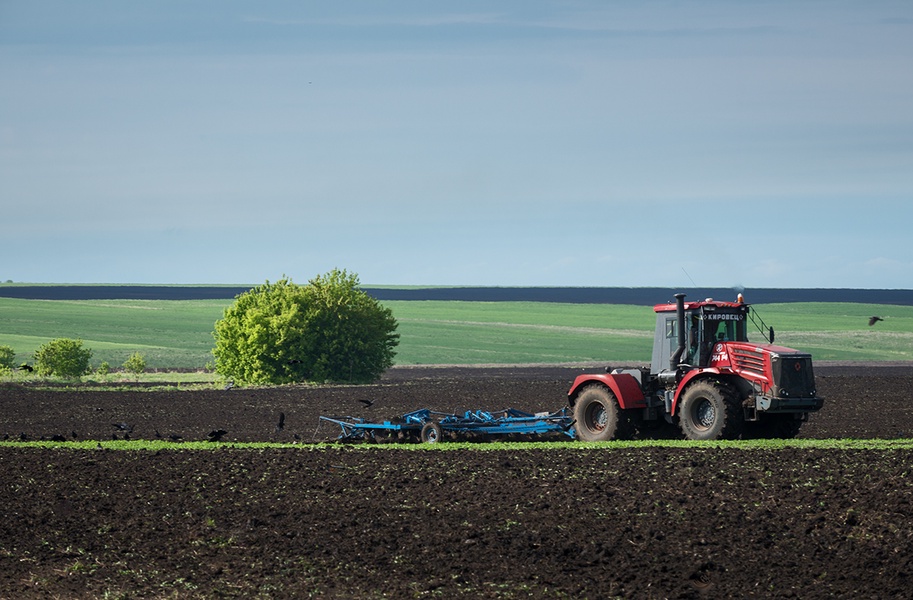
{"x": 705, "y": 376}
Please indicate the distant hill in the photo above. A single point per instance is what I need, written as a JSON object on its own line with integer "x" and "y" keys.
{"x": 645, "y": 296}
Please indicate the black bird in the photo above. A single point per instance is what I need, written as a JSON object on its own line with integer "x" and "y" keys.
{"x": 216, "y": 435}
{"x": 281, "y": 424}
{"x": 873, "y": 320}
{"x": 58, "y": 438}
{"x": 367, "y": 403}
{"x": 157, "y": 434}
{"x": 23, "y": 436}
{"x": 123, "y": 427}
{"x": 74, "y": 435}
{"x": 175, "y": 437}
{"x": 26, "y": 367}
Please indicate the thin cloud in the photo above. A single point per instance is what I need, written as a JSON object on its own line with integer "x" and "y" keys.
{"x": 385, "y": 21}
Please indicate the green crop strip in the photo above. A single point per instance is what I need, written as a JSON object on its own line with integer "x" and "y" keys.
{"x": 157, "y": 446}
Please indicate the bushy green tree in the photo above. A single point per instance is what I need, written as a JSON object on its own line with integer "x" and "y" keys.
{"x": 136, "y": 364}
{"x": 63, "y": 357}
{"x": 7, "y": 357}
{"x": 327, "y": 330}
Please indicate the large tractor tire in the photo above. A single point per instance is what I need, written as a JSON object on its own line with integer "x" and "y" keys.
{"x": 710, "y": 410}
{"x": 598, "y": 417}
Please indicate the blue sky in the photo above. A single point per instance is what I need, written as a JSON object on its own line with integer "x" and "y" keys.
{"x": 516, "y": 143}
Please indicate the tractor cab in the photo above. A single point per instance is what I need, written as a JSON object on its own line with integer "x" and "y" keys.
{"x": 705, "y": 323}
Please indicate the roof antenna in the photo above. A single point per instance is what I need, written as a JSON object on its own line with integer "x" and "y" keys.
{"x": 689, "y": 277}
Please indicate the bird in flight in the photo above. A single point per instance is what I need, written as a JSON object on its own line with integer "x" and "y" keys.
{"x": 873, "y": 320}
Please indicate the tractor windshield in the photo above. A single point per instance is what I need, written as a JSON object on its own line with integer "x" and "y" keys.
{"x": 725, "y": 326}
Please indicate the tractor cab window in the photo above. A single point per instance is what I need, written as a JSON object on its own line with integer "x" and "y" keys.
{"x": 725, "y": 331}
{"x": 725, "y": 327}
{"x": 711, "y": 326}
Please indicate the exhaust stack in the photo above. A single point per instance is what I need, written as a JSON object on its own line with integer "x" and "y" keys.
{"x": 680, "y": 318}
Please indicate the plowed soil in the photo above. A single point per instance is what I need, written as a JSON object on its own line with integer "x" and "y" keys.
{"x": 371, "y": 521}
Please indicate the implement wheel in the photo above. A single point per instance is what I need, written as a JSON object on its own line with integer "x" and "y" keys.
{"x": 431, "y": 433}
{"x": 597, "y": 414}
{"x": 710, "y": 410}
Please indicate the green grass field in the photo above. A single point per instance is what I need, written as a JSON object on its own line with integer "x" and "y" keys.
{"x": 178, "y": 334}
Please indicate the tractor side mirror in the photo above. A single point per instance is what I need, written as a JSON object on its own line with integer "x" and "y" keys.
{"x": 771, "y": 336}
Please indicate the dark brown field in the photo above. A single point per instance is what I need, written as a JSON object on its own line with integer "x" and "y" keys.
{"x": 373, "y": 521}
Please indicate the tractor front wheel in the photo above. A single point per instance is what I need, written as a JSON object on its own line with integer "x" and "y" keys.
{"x": 710, "y": 410}
{"x": 597, "y": 415}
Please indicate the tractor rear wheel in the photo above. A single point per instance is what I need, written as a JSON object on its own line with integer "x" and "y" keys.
{"x": 597, "y": 415}
{"x": 431, "y": 433}
{"x": 710, "y": 410}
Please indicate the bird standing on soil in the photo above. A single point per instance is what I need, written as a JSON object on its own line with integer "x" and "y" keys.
{"x": 873, "y": 320}
{"x": 367, "y": 403}
{"x": 281, "y": 424}
{"x": 26, "y": 367}
{"x": 216, "y": 435}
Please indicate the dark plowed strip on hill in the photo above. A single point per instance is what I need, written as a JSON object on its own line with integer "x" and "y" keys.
{"x": 646, "y": 296}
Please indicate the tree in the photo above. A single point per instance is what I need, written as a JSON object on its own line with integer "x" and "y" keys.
{"x": 7, "y": 357}
{"x": 63, "y": 357}
{"x": 136, "y": 364}
{"x": 328, "y": 330}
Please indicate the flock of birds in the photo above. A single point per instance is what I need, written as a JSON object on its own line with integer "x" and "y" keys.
{"x": 123, "y": 431}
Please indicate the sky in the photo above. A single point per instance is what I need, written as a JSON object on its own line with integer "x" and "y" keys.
{"x": 628, "y": 143}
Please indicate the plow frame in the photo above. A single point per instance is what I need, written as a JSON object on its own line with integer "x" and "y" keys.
{"x": 508, "y": 421}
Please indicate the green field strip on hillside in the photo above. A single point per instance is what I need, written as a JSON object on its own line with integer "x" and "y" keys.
{"x": 599, "y": 316}
{"x": 171, "y": 334}
{"x": 468, "y": 343}
{"x": 836, "y": 316}
{"x": 851, "y": 345}
{"x": 178, "y": 333}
